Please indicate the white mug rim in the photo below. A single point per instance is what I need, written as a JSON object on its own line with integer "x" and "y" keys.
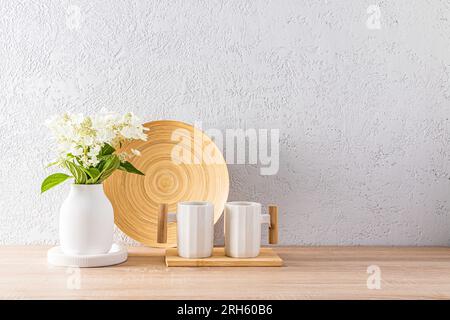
{"x": 243, "y": 204}
{"x": 195, "y": 203}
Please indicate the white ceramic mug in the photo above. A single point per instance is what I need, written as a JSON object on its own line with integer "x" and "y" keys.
{"x": 243, "y": 228}
{"x": 195, "y": 229}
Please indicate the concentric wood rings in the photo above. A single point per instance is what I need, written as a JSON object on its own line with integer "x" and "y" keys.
{"x": 180, "y": 163}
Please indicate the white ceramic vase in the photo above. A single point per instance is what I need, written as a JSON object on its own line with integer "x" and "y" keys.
{"x": 86, "y": 222}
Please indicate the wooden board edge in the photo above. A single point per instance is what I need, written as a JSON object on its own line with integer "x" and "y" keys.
{"x": 195, "y": 264}
{"x": 172, "y": 260}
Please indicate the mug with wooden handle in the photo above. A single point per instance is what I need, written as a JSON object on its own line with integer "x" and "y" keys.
{"x": 195, "y": 228}
{"x": 243, "y": 228}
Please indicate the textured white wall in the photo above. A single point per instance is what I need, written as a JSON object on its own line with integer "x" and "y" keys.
{"x": 363, "y": 114}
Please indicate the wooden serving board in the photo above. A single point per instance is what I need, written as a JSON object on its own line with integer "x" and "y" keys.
{"x": 267, "y": 258}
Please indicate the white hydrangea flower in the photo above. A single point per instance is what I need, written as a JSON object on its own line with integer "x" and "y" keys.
{"x": 84, "y": 136}
{"x": 123, "y": 156}
{"x": 136, "y": 152}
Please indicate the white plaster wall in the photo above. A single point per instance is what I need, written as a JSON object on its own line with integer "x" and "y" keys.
{"x": 363, "y": 114}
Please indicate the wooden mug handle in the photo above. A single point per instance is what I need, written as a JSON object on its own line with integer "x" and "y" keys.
{"x": 273, "y": 229}
{"x": 162, "y": 223}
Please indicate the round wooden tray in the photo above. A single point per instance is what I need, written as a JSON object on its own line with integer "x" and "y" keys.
{"x": 198, "y": 174}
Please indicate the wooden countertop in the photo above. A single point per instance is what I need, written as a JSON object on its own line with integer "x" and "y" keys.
{"x": 309, "y": 273}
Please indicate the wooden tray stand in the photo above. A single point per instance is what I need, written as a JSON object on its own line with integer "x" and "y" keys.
{"x": 267, "y": 256}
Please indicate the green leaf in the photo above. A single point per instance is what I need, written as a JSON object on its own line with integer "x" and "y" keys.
{"x": 85, "y": 170}
{"x": 128, "y": 167}
{"x": 78, "y": 173}
{"x": 94, "y": 173}
{"x": 112, "y": 163}
{"x": 101, "y": 164}
{"x": 106, "y": 150}
{"x": 51, "y": 164}
{"x": 78, "y": 162}
{"x": 109, "y": 167}
{"x": 53, "y": 180}
{"x": 103, "y": 159}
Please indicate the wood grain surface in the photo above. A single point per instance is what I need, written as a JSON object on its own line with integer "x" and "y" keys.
{"x": 307, "y": 273}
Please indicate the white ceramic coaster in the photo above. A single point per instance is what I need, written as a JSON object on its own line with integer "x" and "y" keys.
{"x": 116, "y": 255}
